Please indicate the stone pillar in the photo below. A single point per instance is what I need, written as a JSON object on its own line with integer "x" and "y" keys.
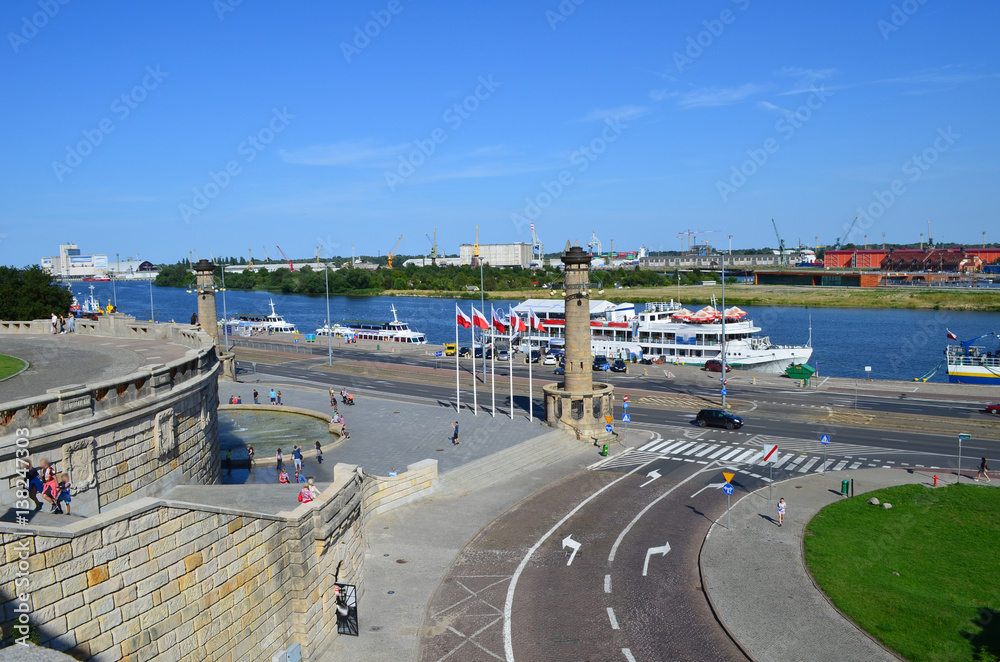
{"x": 578, "y": 403}
{"x": 207, "y": 316}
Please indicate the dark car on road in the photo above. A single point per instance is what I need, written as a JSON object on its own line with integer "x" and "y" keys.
{"x": 718, "y": 418}
{"x": 715, "y": 365}
{"x": 619, "y": 366}
{"x": 601, "y": 363}
{"x": 559, "y": 371}
{"x": 465, "y": 351}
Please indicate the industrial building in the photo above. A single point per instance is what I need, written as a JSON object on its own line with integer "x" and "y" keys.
{"x": 498, "y": 255}
{"x": 912, "y": 259}
{"x": 713, "y": 262}
{"x": 71, "y": 263}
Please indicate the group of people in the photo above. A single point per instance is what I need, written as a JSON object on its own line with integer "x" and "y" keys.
{"x": 51, "y": 485}
{"x": 62, "y": 325}
{"x": 236, "y": 399}
{"x": 309, "y": 490}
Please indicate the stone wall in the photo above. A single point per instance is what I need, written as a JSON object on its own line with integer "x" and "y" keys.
{"x": 162, "y": 580}
{"x": 385, "y": 493}
{"x": 127, "y": 438}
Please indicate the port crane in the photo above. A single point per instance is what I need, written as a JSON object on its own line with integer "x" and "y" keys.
{"x": 291, "y": 266}
{"x": 782, "y": 256}
{"x": 392, "y": 253}
{"x": 537, "y": 250}
{"x": 837, "y": 244}
{"x": 434, "y": 247}
{"x": 250, "y": 259}
{"x": 594, "y": 243}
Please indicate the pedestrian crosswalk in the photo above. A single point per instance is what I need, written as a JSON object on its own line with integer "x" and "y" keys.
{"x": 794, "y": 455}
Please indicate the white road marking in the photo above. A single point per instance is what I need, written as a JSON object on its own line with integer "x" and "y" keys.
{"x": 607, "y": 583}
{"x": 840, "y": 465}
{"x": 729, "y": 455}
{"x": 628, "y": 655}
{"x": 611, "y": 617}
{"x": 710, "y": 485}
{"x": 719, "y": 452}
{"x": 783, "y": 460}
{"x": 697, "y": 447}
{"x": 574, "y": 545}
{"x": 677, "y": 451}
{"x": 854, "y": 466}
{"x": 805, "y": 467}
{"x": 707, "y": 450}
{"x": 654, "y": 550}
{"x": 508, "y": 607}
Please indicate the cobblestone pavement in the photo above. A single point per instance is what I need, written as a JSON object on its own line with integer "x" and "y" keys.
{"x": 60, "y": 360}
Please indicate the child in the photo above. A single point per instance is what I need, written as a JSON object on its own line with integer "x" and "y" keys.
{"x": 781, "y": 511}
{"x": 63, "y": 497}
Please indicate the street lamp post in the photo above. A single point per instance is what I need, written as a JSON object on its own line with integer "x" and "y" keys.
{"x": 329, "y": 327}
{"x": 152, "y": 316}
{"x": 724, "y": 363}
{"x": 114, "y": 287}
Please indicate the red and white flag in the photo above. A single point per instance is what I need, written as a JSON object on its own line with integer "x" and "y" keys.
{"x": 479, "y": 320}
{"x": 498, "y": 322}
{"x": 951, "y": 336}
{"x": 517, "y": 324}
{"x": 462, "y": 319}
{"x": 536, "y": 322}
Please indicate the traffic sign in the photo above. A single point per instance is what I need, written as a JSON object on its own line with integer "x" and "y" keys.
{"x": 727, "y": 488}
{"x": 607, "y": 419}
{"x": 624, "y": 398}
{"x": 723, "y": 391}
{"x": 438, "y": 353}
{"x": 770, "y": 453}
{"x": 964, "y": 437}
{"x": 625, "y": 405}
{"x": 608, "y": 428}
{"x": 626, "y": 418}
{"x": 824, "y": 439}
{"x": 728, "y": 476}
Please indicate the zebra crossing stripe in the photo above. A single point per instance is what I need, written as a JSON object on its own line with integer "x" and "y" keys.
{"x": 797, "y": 460}
{"x": 707, "y": 450}
{"x": 805, "y": 467}
{"x": 783, "y": 460}
{"x": 840, "y": 465}
{"x": 697, "y": 447}
{"x": 677, "y": 450}
{"x": 650, "y": 445}
{"x": 823, "y": 467}
{"x": 743, "y": 456}
{"x": 725, "y": 458}
{"x": 718, "y": 452}
{"x": 753, "y": 460}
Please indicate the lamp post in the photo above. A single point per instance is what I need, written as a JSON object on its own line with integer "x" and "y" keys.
{"x": 114, "y": 287}
{"x": 329, "y": 327}
{"x": 724, "y": 364}
{"x": 152, "y": 316}
{"x": 225, "y": 326}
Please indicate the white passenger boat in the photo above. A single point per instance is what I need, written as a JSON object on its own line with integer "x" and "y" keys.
{"x": 394, "y": 331}
{"x": 665, "y": 331}
{"x": 257, "y": 324}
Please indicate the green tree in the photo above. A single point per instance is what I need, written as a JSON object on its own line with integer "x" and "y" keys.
{"x": 30, "y": 293}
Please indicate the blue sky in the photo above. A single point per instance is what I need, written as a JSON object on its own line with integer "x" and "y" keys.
{"x": 155, "y": 129}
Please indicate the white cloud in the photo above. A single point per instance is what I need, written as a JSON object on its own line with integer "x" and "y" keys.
{"x": 624, "y": 113}
{"x": 357, "y": 152}
{"x": 709, "y": 97}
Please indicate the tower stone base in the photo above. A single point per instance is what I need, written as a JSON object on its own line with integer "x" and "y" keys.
{"x": 581, "y": 411}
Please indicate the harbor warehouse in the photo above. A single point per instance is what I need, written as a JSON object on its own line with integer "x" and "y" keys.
{"x": 498, "y": 255}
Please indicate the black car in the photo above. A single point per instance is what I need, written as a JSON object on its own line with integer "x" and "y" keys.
{"x": 534, "y": 357}
{"x": 619, "y": 366}
{"x": 718, "y": 418}
{"x": 479, "y": 353}
{"x": 601, "y": 363}
{"x": 465, "y": 351}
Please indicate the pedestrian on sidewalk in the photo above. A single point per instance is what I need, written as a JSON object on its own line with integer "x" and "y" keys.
{"x": 454, "y": 434}
{"x": 272, "y": 396}
{"x": 255, "y": 396}
{"x": 279, "y": 397}
{"x": 983, "y": 471}
{"x": 229, "y": 462}
{"x": 71, "y": 321}
{"x": 319, "y": 452}
{"x": 250, "y": 454}
{"x": 781, "y": 511}
{"x": 297, "y": 458}
{"x": 278, "y": 459}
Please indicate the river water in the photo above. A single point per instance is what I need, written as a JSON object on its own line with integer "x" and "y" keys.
{"x": 896, "y": 344}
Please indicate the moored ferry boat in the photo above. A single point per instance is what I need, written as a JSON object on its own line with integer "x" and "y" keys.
{"x": 972, "y": 363}
{"x": 666, "y": 331}
{"x": 257, "y": 324}
{"x": 394, "y": 331}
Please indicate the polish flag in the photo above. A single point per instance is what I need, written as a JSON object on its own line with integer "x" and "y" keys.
{"x": 517, "y": 324}
{"x": 479, "y": 320}
{"x": 536, "y": 323}
{"x": 498, "y": 323}
{"x": 951, "y": 336}
{"x": 463, "y": 319}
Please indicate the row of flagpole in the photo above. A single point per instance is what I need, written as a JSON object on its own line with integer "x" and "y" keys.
{"x": 514, "y": 325}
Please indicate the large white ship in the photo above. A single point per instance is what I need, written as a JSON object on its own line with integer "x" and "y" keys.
{"x": 257, "y": 324}
{"x": 665, "y": 331}
{"x": 394, "y": 331}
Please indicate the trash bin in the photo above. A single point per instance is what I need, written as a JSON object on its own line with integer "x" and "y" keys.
{"x": 844, "y": 485}
{"x": 604, "y": 451}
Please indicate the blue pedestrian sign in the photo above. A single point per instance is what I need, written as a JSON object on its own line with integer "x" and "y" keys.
{"x": 438, "y": 354}
{"x": 625, "y": 405}
{"x": 824, "y": 439}
{"x": 724, "y": 391}
{"x": 727, "y": 488}
{"x": 626, "y": 418}
{"x": 608, "y": 428}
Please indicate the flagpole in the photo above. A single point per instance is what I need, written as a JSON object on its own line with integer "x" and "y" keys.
{"x": 475, "y": 395}
{"x": 510, "y": 361}
{"x": 493, "y": 380}
{"x": 531, "y": 393}
{"x": 458, "y": 383}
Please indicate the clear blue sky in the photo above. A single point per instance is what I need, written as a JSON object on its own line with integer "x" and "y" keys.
{"x": 342, "y": 116}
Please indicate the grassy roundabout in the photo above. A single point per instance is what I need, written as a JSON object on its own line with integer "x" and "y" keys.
{"x": 9, "y": 365}
{"x": 944, "y": 543}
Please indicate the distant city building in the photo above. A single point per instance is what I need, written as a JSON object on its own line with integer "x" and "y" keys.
{"x": 912, "y": 259}
{"x": 498, "y": 255}
{"x": 71, "y": 263}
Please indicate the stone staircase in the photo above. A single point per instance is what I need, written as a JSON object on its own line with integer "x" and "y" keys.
{"x": 520, "y": 459}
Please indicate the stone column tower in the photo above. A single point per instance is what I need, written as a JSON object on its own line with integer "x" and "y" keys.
{"x": 205, "y": 287}
{"x": 578, "y": 403}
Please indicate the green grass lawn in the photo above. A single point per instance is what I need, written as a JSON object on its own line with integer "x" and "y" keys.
{"x": 9, "y": 365}
{"x": 944, "y": 543}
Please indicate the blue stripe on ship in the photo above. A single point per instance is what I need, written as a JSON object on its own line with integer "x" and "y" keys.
{"x": 968, "y": 379}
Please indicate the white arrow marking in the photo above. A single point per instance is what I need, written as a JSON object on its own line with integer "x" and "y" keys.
{"x": 710, "y": 485}
{"x": 654, "y": 550}
{"x": 569, "y": 542}
{"x": 652, "y": 475}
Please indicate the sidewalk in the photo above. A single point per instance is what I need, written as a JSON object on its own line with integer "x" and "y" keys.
{"x": 755, "y": 577}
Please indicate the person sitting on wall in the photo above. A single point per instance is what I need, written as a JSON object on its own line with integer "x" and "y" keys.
{"x": 283, "y": 476}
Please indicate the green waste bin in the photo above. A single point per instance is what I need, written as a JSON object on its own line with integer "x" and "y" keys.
{"x": 604, "y": 450}
{"x": 844, "y": 485}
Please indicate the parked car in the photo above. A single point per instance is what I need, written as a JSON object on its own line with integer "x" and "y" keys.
{"x": 715, "y": 365}
{"x": 535, "y": 355}
{"x": 479, "y": 352}
{"x": 503, "y": 355}
{"x": 559, "y": 371}
{"x": 464, "y": 351}
{"x": 993, "y": 409}
{"x": 549, "y": 360}
{"x": 619, "y": 366}
{"x": 449, "y": 349}
{"x": 718, "y": 418}
{"x": 601, "y": 363}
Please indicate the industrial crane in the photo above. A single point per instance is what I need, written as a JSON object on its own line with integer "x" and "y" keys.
{"x": 930, "y": 239}
{"x": 291, "y": 266}
{"x": 837, "y": 244}
{"x": 781, "y": 245}
{"x": 594, "y": 243}
{"x": 434, "y": 247}
{"x": 537, "y": 250}
{"x": 475, "y": 250}
{"x": 393, "y": 251}
{"x": 266, "y": 258}
{"x": 250, "y": 260}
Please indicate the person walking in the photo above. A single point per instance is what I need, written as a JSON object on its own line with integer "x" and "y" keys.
{"x": 319, "y": 452}
{"x": 255, "y": 396}
{"x": 55, "y": 323}
{"x": 71, "y": 321}
{"x": 272, "y": 396}
{"x": 279, "y": 397}
{"x": 229, "y": 462}
{"x": 983, "y": 471}
{"x": 781, "y": 511}
{"x": 62, "y": 326}
{"x": 454, "y": 434}
{"x": 250, "y": 454}
{"x": 297, "y": 458}
{"x": 278, "y": 459}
